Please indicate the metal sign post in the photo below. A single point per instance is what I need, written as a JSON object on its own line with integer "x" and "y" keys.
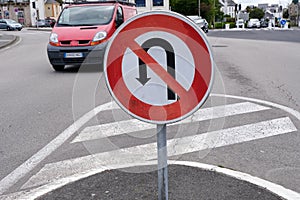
{"x": 162, "y": 160}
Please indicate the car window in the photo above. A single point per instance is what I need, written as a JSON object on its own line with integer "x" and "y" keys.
{"x": 10, "y": 21}
{"x": 86, "y": 16}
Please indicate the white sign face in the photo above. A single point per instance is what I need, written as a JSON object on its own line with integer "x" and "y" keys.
{"x": 155, "y": 90}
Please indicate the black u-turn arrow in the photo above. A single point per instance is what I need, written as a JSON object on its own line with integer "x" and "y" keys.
{"x": 143, "y": 79}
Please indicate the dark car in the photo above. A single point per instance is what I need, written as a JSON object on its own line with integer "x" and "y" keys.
{"x": 264, "y": 24}
{"x": 202, "y": 23}
{"x": 10, "y": 24}
{"x": 49, "y": 22}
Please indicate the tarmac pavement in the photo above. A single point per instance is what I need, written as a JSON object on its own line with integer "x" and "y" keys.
{"x": 185, "y": 181}
{"x": 7, "y": 40}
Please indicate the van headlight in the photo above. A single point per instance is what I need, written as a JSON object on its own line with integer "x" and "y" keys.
{"x": 53, "y": 39}
{"x": 99, "y": 37}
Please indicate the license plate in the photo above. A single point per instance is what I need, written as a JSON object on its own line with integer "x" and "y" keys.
{"x": 73, "y": 55}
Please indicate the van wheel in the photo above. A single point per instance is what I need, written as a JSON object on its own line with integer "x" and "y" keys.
{"x": 8, "y": 28}
{"x": 58, "y": 67}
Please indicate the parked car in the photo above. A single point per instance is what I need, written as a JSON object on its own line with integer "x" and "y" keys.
{"x": 41, "y": 23}
{"x": 240, "y": 23}
{"x": 253, "y": 23}
{"x": 264, "y": 24}
{"x": 50, "y": 22}
{"x": 82, "y": 32}
{"x": 202, "y": 23}
{"x": 10, "y": 24}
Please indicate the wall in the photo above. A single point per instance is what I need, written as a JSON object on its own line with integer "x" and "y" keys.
{"x": 149, "y": 6}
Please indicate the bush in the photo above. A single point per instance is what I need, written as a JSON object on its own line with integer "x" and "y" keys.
{"x": 219, "y": 25}
{"x": 231, "y": 24}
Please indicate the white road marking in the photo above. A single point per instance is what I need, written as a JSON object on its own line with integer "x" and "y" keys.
{"x": 19, "y": 39}
{"x": 34, "y": 160}
{"x": 118, "y": 128}
{"x": 178, "y": 146}
{"x": 291, "y": 111}
{"x": 38, "y": 192}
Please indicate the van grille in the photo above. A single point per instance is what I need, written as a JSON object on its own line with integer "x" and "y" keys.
{"x": 74, "y": 42}
{"x": 83, "y": 42}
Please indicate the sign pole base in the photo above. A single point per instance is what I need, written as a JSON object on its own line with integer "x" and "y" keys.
{"x": 162, "y": 158}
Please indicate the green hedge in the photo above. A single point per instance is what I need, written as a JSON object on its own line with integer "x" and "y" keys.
{"x": 220, "y": 25}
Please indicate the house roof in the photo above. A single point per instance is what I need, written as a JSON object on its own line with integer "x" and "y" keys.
{"x": 229, "y": 2}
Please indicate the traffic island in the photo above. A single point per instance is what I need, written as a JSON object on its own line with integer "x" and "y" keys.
{"x": 185, "y": 182}
{"x": 7, "y": 40}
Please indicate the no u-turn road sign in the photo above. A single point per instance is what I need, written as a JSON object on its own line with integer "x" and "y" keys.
{"x": 159, "y": 67}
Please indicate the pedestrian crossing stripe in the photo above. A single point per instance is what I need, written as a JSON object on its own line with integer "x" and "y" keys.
{"x": 177, "y": 146}
{"x": 127, "y": 126}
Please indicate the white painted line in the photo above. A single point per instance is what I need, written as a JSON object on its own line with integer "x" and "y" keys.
{"x": 34, "y": 160}
{"x": 178, "y": 146}
{"x": 291, "y": 111}
{"x": 19, "y": 39}
{"x": 272, "y": 187}
{"x": 112, "y": 129}
{"x": 128, "y": 126}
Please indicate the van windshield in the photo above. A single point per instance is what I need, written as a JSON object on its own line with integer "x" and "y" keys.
{"x": 86, "y": 16}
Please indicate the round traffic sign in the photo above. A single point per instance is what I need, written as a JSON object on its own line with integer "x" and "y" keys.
{"x": 283, "y": 22}
{"x": 159, "y": 67}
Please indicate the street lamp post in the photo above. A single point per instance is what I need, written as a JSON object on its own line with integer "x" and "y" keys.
{"x": 298, "y": 14}
{"x": 199, "y": 8}
{"x": 214, "y": 19}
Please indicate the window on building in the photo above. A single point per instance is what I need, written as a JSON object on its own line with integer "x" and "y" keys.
{"x": 140, "y": 3}
{"x": 158, "y": 2}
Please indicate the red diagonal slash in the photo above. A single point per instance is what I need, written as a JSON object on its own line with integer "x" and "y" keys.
{"x": 158, "y": 69}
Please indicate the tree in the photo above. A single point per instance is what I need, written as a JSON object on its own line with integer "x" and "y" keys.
{"x": 248, "y": 9}
{"x": 285, "y": 13}
{"x": 185, "y": 7}
{"x": 256, "y": 13}
{"x": 209, "y": 9}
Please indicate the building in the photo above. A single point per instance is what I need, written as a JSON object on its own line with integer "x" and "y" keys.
{"x": 17, "y": 10}
{"x": 149, "y": 5}
{"x": 52, "y": 9}
{"x": 294, "y": 14}
{"x": 263, "y": 6}
{"x": 228, "y": 7}
{"x": 243, "y": 15}
{"x": 27, "y": 12}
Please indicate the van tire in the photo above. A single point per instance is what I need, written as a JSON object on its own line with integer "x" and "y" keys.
{"x": 58, "y": 67}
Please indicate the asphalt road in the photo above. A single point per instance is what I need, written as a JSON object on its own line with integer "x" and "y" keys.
{"x": 265, "y": 58}
{"x": 285, "y": 35}
{"x": 38, "y": 104}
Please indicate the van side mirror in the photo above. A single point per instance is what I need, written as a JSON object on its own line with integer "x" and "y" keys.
{"x": 119, "y": 21}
